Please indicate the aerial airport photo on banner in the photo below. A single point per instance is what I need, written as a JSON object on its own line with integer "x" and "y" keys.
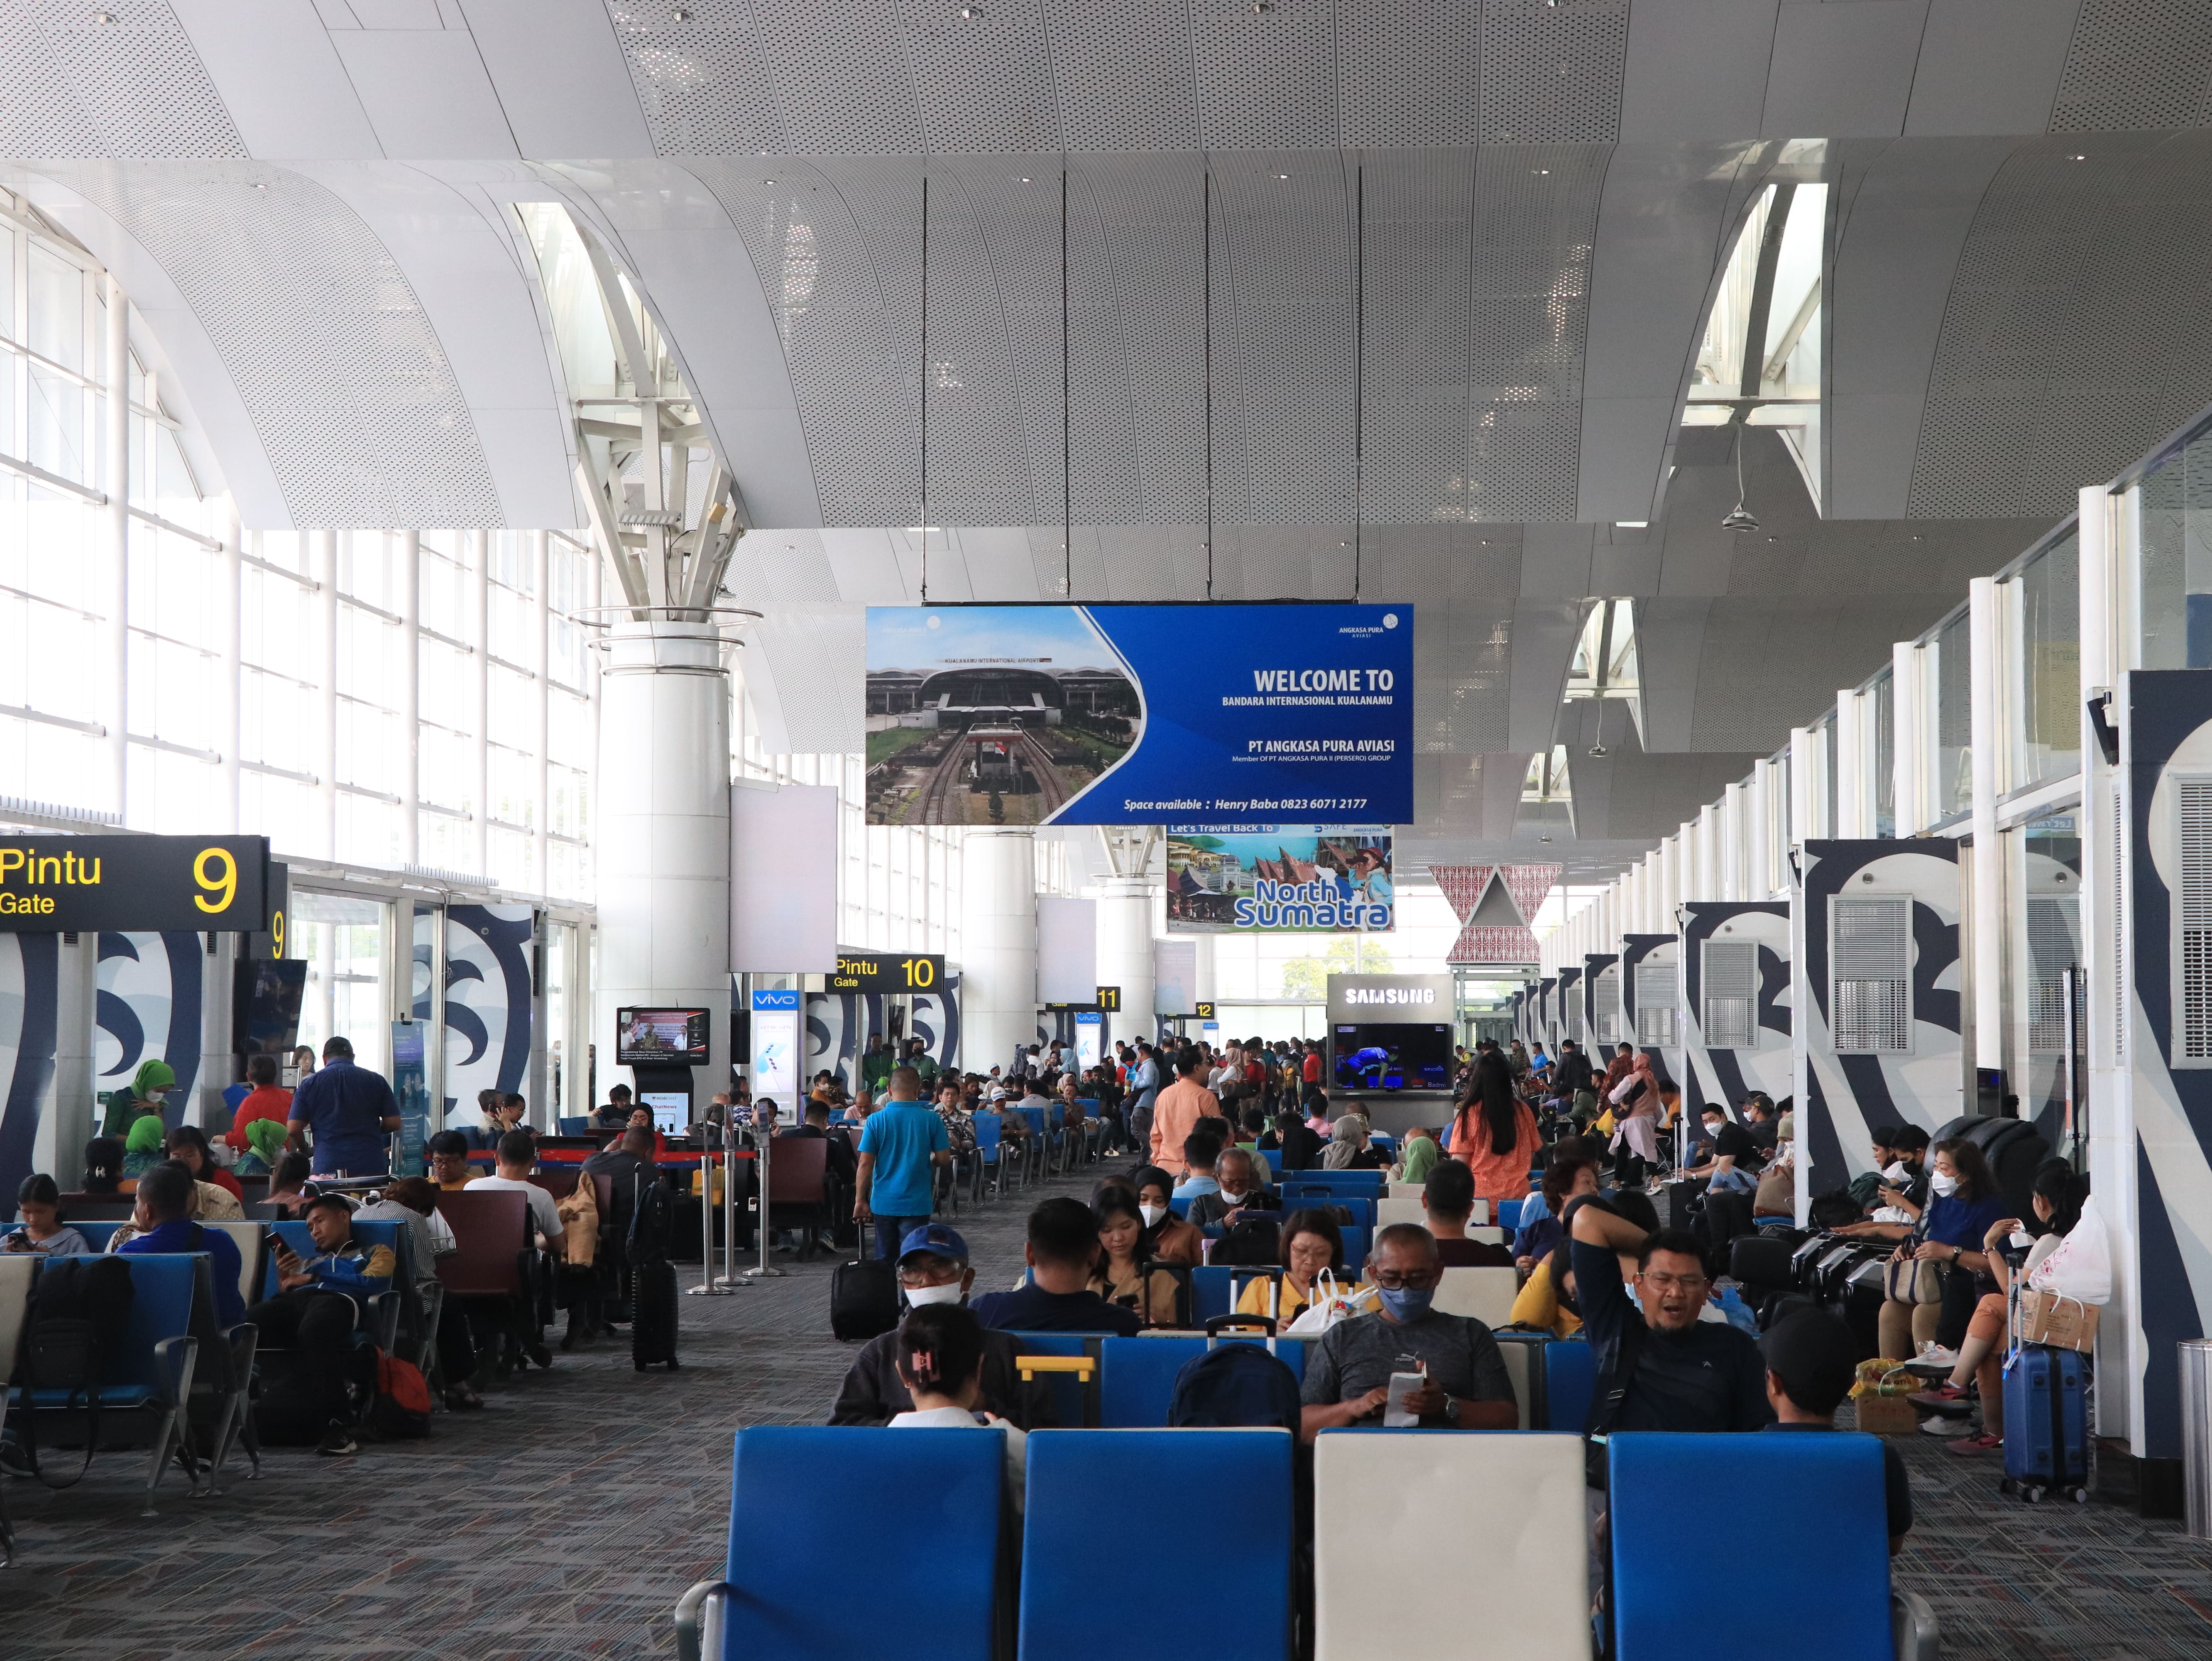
{"x": 1232, "y": 718}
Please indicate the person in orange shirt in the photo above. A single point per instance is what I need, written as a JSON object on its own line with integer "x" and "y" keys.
{"x": 267, "y": 1099}
{"x": 1180, "y": 1107}
{"x": 1495, "y": 1133}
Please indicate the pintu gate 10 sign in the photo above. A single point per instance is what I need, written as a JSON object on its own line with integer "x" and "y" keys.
{"x": 1225, "y": 715}
{"x": 80, "y": 884}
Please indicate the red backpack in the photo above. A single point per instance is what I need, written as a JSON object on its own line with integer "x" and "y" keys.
{"x": 401, "y": 1408}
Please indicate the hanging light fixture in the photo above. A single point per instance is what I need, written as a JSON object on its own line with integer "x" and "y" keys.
{"x": 1597, "y": 750}
{"x": 1739, "y": 518}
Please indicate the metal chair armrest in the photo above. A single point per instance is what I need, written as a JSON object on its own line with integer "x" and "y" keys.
{"x": 691, "y": 1614}
{"x": 1913, "y": 1630}
{"x": 174, "y": 1359}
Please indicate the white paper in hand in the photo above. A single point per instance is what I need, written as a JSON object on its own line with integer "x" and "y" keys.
{"x": 1396, "y": 1415}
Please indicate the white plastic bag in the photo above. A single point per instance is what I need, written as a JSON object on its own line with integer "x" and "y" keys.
{"x": 1330, "y": 1306}
{"x": 2080, "y": 1266}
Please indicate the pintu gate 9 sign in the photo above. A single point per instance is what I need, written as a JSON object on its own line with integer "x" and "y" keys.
{"x": 81, "y": 885}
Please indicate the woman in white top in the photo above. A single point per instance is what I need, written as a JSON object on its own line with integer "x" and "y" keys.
{"x": 2057, "y": 1197}
{"x": 940, "y": 1361}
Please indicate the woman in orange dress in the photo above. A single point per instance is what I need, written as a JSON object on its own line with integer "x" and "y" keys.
{"x": 1495, "y": 1133}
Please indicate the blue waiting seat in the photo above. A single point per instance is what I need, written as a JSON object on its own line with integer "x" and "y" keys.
{"x": 1373, "y": 1183}
{"x": 1071, "y": 1612}
{"x": 809, "y": 1489}
{"x": 1570, "y": 1381}
{"x": 987, "y": 1149}
{"x": 1357, "y": 1241}
{"x": 147, "y": 1375}
{"x": 1074, "y": 1398}
{"x": 381, "y": 1319}
{"x": 1839, "y": 1597}
{"x": 1181, "y": 1207}
{"x": 1508, "y": 1214}
{"x": 1138, "y": 1380}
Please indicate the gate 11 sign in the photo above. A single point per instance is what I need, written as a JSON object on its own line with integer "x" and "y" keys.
{"x": 81, "y": 885}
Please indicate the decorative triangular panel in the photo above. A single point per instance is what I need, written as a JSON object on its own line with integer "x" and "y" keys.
{"x": 1494, "y": 904}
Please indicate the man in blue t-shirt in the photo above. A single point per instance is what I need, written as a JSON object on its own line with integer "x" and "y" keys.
{"x": 161, "y": 1209}
{"x": 351, "y": 1111}
{"x": 902, "y": 1145}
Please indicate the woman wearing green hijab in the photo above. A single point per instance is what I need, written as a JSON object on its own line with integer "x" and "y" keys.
{"x": 126, "y": 1108}
{"x": 265, "y": 1141}
{"x": 141, "y": 1146}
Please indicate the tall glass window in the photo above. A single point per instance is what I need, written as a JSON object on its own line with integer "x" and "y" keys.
{"x": 1880, "y": 708}
{"x": 2176, "y": 516}
{"x": 1952, "y": 676}
{"x": 2043, "y": 618}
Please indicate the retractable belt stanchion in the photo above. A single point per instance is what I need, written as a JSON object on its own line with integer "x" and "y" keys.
{"x": 730, "y": 1204}
{"x": 708, "y": 1285}
{"x": 762, "y": 1137}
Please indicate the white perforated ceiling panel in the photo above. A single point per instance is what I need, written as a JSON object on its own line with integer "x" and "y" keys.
{"x": 119, "y": 79}
{"x": 2135, "y": 64}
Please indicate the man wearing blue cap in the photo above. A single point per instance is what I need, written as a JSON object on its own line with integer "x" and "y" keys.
{"x": 932, "y": 1268}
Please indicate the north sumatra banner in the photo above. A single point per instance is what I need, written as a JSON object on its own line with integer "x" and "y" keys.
{"x": 1231, "y": 716}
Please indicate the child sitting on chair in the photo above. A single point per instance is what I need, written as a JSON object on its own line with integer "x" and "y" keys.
{"x": 940, "y": 1361}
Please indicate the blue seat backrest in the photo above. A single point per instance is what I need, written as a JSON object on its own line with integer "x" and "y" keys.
{"x": 810, "y": 1488}
{"x": 576, "y": 1127}
{"x": 1508, "y": 1213}
{"x": 1838, "y": 1595}
{"x": 161, "y": 1307}
{"x": 1137, "y": 1382}
{"x": 1066, "y": 1389}
{"x": 97, "y": 1235}
{"x": 1210, "y": 1293}
{"x": 1570, "y": 1381}
{"x": 1181, "y": 1207}
{"x": 988, "y": 1132}
{"x": 1357, "y": 1240}
{"x": 1369, "y": 1183}
{"x": 1035, "y": 1116}
{"x": 1071, "y": 1612}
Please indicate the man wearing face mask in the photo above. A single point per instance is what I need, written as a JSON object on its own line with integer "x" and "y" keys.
{"x": 1348, "y": 1372}
{"x": 932, "y": 1268}
{"x": 1239, "y": 1190}
{"x": 1734, "y": 1160}
{"x": 1899, "y": 1188}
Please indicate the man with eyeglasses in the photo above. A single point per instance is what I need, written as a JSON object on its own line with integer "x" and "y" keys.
{"x": 1681, "y": 1372}
{"x": 1348, "y": 1372}
{"x": 932, "y": 1268}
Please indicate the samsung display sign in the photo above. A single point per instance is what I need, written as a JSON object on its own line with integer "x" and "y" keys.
{"x": 1390, "y": 998}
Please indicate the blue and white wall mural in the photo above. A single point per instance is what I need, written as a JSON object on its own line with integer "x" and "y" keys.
{"x": 487, "y": 999}
{"x": 148, "y": 1010}
{"x": 1735, "y": 1002}
{"x": 28, "y": 982}
{"x": 839, "y": 1025}
{"x": 1649, "y": 1002}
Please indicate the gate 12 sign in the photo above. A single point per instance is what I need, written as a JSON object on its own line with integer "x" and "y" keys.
{"x": 80, "y": 884}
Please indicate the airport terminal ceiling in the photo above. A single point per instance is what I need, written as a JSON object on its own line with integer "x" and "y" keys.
{"x": 1443, "y": 275}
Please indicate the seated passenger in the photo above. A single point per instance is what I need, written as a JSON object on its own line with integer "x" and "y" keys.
{"x": 1545, "y": 1302}
{"x": 615, "y": 1114}
{"x": 265, "y": 1100}
{"x": 933, "y": 1269}
{"x": 1963, "y": 1206}
{"x": 40, "y": 1229}
{"x": 1293, "y": 1145}
{"x": 1063, "y": 1245}
{"x": 1681, "y": 1372}
{"x": 264, "y": 1146}
{"x": 1199, "y": 1154}
{"x": 1811, "y": 1362}
{"x": 940, "y": 1361}
{"x": 287, "y": 1182}
{"x": 1732, "y": 1166}
{"x": 141, "y": 1144}
{"x": 1348, "y": 1371}
{"x": 448, "y": 1153}
{"x": 1126, "y": 1275}
{"x": 1174, "y": 1240}
{"x": 517, "y": 1157}
{"x": 1348, "y": 1146}
{"x": 1237, "y": 1189}
{"x": 188, "y": 1145}
{"x": 1569, "y": 1176}
{"x": 1448, "y": 1201}
{"x": 1311, "y": 1243}
{"x": 103, "y": 1166}
{"x": 1418, "y": 1156}
{"x": 162, "y": 1222}
{"x": 319, "y": 1304}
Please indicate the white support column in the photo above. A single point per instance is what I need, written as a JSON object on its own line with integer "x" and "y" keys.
{"x": 218, "y": 1063}
{"x": 324, "y": 545}
{"x": 998, "y": 945}
{"x": 576, "y": 1039}
{"x": 230, "y": 734}
{"x": 1804, "y": 770}
{"x": 1759, "y": 840}
{"x": 1909, "y": 712}
{"x": 115, "y": 549}
{"x": 410, "y": 700}
{"x": 1732, "y": 841}
{"x": 1709, "y": 853}
{"x": 541, "y": 640}
{"x": 1854, "y": 805}
{"x": 69, "y": 1115}
{"x": 1989, "y": 928}
{"x": 478, "y": 544}
{"x": 664, "y": 829}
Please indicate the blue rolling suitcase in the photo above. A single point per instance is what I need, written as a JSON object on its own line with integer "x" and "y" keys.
{"x": 2046, "y": 1446}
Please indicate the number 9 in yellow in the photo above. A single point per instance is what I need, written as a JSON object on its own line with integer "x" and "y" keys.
{"x": 223, "y": 881}
{"x": 277, "y": 934}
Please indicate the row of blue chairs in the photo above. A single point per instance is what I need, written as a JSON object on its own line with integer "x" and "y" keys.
{"x": 1472, "y": 1544}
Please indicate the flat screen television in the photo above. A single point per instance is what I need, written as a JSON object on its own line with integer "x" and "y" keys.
{"x": 266, "y": 1015}
{"x": 660, "y": 1038}
{"x": 1387, "y": 1055}
{"x": 671, "y": 1110}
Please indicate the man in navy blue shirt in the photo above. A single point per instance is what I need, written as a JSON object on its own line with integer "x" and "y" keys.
{"x": 351, "y": 1111}
{"x": 163, "y": 1200}
{"x": 1811, "y": 1361}
{"x": 1063, "y": 1245}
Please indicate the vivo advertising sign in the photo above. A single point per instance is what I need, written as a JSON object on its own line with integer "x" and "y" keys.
{"x": 1389, "y": 998}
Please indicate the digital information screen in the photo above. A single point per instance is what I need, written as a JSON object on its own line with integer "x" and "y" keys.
{"x": 1383, "y": 1056}
{"x": 668, "y": 1037}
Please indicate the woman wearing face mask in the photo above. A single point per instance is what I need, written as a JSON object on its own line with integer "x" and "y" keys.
{"x": 1126, "y": 1275}
{"x": 2058, "y": 1199}
{"x": 142, "y": 1097}
{"x": 1174, "y": 1240}
{"x": 1311, "y": 1243}
{"x": 1963, "y": 1203}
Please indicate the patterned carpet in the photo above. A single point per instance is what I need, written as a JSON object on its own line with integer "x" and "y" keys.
{"x": 566, "y": 1519}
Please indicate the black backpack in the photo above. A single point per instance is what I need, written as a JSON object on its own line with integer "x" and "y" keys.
{"x": 1253, "y": 1243}
{"x": 74, "y": 1320}
{"x": 1236, "y": 1386}
{"x": 652, "y": 1219}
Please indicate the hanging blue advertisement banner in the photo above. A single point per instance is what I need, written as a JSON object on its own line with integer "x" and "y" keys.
{"x": 411, "y": 1088}
{"x": 1231, "y": 716}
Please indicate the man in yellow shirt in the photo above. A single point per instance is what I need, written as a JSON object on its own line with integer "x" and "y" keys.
{"x": 449, "y": 1160}
{"x": 1180, "y": 1107}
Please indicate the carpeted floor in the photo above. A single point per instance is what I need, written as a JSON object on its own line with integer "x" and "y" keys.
{"x": 566, "y": 1519}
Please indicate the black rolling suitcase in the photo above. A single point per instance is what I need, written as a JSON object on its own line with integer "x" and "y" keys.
{"x": 653, "y": 1316}
{"x": 864, "y": 1296}
{"x": 1803, "y": 1260}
